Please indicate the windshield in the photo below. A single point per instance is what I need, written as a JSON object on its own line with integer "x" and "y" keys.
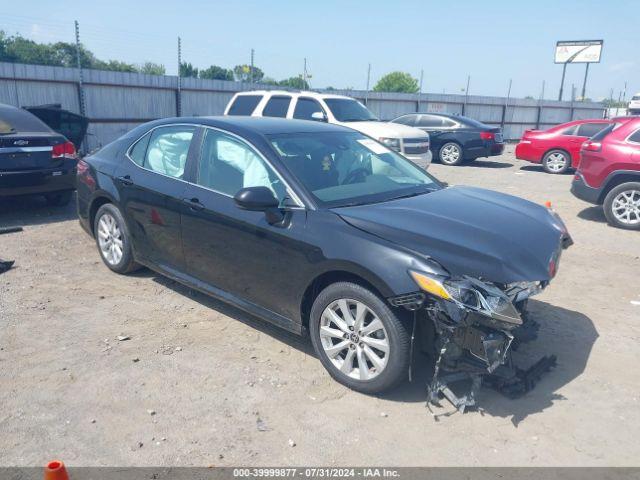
{"x": 349, "y": 110}
{"x": 347, "y": 168}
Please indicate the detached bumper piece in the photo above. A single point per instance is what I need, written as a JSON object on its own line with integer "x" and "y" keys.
{"x": 473, "y": 351}
{"x": 5, "y": 265}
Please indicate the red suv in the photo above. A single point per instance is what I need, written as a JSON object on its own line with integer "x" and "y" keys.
{"x": 558, "y": 148}
{"x": 609, "y": 173}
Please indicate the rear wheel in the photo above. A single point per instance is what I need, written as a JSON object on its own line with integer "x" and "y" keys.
{"x": 113, "y": 240}
{"x": 359, "y": 340}
{"x": 451, "y": 154}
{"x": 622, "y": 206}
{"x": 556, "y": 161}
{"x": 59, "y": 199}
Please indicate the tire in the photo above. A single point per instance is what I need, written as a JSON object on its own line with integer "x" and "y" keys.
{"x": 451, "y": 153}
{"x": 382, "y": 369}
{"x": 556, "y": 162}
{"x": 622, "y": 206}
{"x": 112, "y": 236}
{"x": 59, "y": 199}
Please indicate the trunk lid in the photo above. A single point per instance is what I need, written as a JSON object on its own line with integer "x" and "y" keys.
{"x": 28, "y": 151}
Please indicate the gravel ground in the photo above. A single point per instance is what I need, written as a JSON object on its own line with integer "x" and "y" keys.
{"x": 201, "y": 383}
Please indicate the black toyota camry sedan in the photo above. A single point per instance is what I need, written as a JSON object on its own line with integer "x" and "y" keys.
{"x": 322, "y": 230}
{"x": 454, "y": 138}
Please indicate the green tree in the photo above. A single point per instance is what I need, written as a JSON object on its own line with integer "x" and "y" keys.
{"x": 215, "y": 72}
{"x": 188, "y": 70}
{"x": 397, "y": 82}
{"x": 115, "y": 66}
{"x": 269, "y": 81}
{"x": 151, "y": 68}
{"x": 294, "y": 82}
{"x": 242, "y": 73}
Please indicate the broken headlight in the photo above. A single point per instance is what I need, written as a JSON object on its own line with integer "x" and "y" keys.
{"x": 470, "y": 294}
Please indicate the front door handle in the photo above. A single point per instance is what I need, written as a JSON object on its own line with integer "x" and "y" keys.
{"x": 126, "y": 180}
{"x": 193, "y": 203}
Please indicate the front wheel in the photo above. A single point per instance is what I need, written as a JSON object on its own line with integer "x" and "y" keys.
{"x": 359, "y": 340}
{"x": 622, "y": 206}
{"x": 451, "y": 154}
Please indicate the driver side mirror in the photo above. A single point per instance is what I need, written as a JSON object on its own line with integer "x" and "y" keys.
{"x": 258, "y": 199}
{"x": 319, "y": 117}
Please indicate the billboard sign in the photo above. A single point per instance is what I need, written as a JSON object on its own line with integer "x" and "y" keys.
{"x": 581, "y": 51}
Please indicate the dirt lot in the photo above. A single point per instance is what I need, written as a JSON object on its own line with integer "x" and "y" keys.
{"x": 197, "y": 378}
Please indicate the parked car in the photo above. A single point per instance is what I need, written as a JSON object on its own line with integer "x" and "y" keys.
{"x": 609, "y": 173}
{"x": 558, "y": 148}
{"x": 336, "y": 109}
{"x": 320, "y": 229}
{"x": 454, "y": 138}
{"x": 634, "y": 105}
{"x": 34, "y": 159}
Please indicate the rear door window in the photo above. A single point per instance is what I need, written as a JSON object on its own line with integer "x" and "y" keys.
{"x": 635, "y": 137}
{"x": 244, "y": 104}
{"x": 277, "y": 107}
{"x": 590, "y": 129}
{"x": 406, "y": 120}
{"x": 570, "y": 131}
{"x": 305, "y": 108}
{"x": 168, "y": 149}
{"x": 139, "y": 150}
{"x": 429, "y": 121}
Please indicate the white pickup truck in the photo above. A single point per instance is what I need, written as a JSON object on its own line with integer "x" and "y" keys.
{"x": 411, "y": 142}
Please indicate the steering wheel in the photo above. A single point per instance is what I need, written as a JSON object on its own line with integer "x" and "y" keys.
{"x": 354, "y": 174}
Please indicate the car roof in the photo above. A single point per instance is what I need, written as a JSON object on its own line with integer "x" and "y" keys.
{"x": 260, "y": 125}
{"x": 297, "y": 93}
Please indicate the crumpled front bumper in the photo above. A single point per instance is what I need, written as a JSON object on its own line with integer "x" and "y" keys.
{"x": 472, "y": 348}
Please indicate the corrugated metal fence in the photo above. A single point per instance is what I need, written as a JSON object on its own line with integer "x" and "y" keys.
{"x": 115, "y": 102}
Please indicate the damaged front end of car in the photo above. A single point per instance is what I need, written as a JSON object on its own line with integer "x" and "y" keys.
{"x": 476, "y": 326}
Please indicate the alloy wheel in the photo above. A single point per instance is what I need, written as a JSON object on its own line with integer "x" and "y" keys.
{"x": 354, "y": 339}
{"x": 556, "y": 162}
{"x": 450, "y": 154}
{"x": 110, "y": 239}
{"x": 626, "y": 207}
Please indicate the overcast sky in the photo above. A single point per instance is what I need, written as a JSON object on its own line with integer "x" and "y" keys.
{"x": 493, "y": 41}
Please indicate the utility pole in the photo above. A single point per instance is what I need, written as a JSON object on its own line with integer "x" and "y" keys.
{"x": 420, "y": 91}
{"x": 506, "y": 104}
{"x": 80, "y": 77}
{"x": 304, "y": 74}
{"x": 542, "y": 92}
{"x": 366, "y": 98}
{"x": 466, "y": 95}
{"x": 251, "y": 68}
{"x": 179, "y": 93}
{"x": 584, "y": 84}
{"x": 624, "y": 95}
{"x": 564, "y": 71}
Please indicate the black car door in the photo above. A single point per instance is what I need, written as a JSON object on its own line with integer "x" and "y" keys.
{"x": 151, "y": 187}
{"x": 238, "y": 251}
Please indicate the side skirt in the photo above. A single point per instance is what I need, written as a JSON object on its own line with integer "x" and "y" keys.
{"x": 222, "y": 295}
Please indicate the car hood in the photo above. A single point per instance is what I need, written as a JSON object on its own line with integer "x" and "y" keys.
{"x": 469, "y": 231}
{"x": 386, "y": 130}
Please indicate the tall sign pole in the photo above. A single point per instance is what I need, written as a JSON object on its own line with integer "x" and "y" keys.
{"x": 584, "y": 83}
{"x": 252, "y": 67}
{"x": 366, "y": 98}
{"x": 564, "y": 71}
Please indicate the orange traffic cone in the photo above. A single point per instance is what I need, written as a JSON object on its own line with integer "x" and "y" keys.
{"x": 55, "y": 471}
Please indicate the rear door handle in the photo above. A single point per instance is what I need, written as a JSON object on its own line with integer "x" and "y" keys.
{"x": 126, "y": 180}
{"x": 193, "y": 203}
